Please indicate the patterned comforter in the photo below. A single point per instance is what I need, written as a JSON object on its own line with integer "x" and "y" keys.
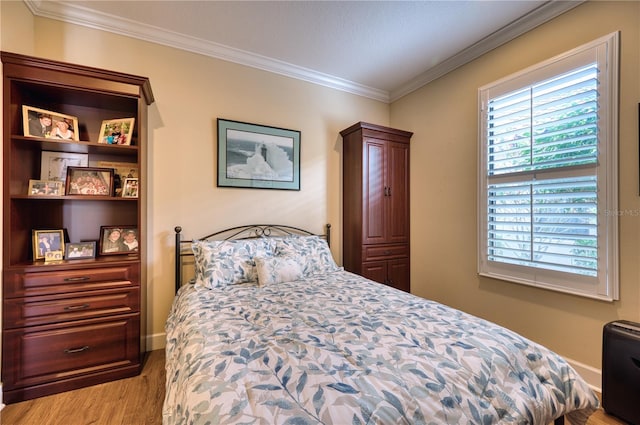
{"x": 341, "y": 349}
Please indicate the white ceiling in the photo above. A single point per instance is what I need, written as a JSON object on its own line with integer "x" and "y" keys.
{"x": 379, "y": 49}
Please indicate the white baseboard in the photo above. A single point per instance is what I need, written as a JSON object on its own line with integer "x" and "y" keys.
{"x": 156, "y": 341}
{"x": 591, "y": 375}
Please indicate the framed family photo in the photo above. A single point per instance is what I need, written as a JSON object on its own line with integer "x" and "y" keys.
{"x": 46, "y": 188}
{"x": 116, "y": 240}
{"x": 117, "y": 132}
{"x": 38, "y": 122}
{"x": 257, "y": 156}
{"x": 46, "y": 241}
{"x": 53, "y": 257}
{"x": 89, "y": 181}
{"x": 80, "y": 250}
{"x": 122, "y": 171}
{"x": 130, "y": 188}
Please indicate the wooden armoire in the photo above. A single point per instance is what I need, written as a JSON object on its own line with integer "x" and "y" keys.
{"x": 376, "y": 203}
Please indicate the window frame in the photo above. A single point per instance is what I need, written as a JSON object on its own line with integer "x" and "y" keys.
{"x": 605, "y": 286}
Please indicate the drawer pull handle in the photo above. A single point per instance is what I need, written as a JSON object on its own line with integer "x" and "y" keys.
{"x": 76, "y": 307}
{"x": 76, "y": 350}
{"x": 77, "y": 279}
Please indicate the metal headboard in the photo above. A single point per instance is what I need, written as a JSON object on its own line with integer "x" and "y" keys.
{"x": 250, "y": 231}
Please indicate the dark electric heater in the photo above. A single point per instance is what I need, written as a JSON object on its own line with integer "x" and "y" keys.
{"x": 621, "y": 370}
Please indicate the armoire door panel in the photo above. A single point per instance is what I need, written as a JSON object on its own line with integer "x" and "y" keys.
{"x": 376, "y": 271}
{"x": 398, "y": 274}
{"x": 398, "y": 193}
{"x": 374, "y": 195}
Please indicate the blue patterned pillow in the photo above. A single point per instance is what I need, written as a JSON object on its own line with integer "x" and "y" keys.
{"x": 313, "y": 253}
{"x": 279, "y": 268}
{"x": 221, "y": 263}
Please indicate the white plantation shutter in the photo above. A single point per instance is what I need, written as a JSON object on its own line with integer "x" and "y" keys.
{"x": 548, "y": 174}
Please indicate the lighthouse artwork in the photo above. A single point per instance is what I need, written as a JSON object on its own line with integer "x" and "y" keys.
{"x": 255, "y": 156}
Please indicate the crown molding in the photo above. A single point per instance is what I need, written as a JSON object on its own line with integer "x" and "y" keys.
{"x": 79, "y": 15}
{"x": 82, "y": 16}
{"x": 536, "y": 17}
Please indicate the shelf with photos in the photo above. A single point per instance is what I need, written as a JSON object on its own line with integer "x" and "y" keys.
{"x": 70, "y": 175}
{"x": 93, "y": 131}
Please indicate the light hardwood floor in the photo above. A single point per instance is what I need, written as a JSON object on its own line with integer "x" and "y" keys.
{"x": 131, "y": 401}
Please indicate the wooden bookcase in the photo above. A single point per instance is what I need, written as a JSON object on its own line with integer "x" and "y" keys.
{"x": 77, "y": 322}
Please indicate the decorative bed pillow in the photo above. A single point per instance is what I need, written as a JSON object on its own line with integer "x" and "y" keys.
{"x": 313, "y": 253}
{"x": 221, "y": 263}
{"x": 280, "y": 268}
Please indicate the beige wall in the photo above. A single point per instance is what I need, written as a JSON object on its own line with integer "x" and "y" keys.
{"x": 444, "y": 117}
{"x": 191, "y": 91}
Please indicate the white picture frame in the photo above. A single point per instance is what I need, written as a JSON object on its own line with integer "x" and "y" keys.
{"x": 54, "y": 164}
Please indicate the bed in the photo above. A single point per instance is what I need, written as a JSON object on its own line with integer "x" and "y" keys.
{"x": 271, "y": 331}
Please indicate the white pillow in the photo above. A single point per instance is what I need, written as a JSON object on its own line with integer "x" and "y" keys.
{"x": 313, "y": 253}
{"x": 221, "y": 263}
{"x": 280, "y": 268}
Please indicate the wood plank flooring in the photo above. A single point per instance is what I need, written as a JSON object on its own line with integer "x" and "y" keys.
{"x": 131, "y": 401}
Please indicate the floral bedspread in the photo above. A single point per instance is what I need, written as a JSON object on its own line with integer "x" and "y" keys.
{"x": 341, "y": 349}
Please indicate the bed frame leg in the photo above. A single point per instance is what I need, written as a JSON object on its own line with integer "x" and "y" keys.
{"x": 178, "y": 272}
{"x": 559, "y": 421}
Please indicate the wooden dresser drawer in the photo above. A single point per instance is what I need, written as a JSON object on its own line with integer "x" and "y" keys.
{"x": 63, "y": 308}
{"x": 381, "y": 252}
{"x": 45, "y": 353}
{"x": 53, "y": 282}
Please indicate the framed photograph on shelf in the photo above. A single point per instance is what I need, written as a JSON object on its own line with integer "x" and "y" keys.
{"x": 89, "y": 181}
{"x": 130, "y": 188}
{"x": 53, "y": 165}
{"x": 117, "y": 132}
{"x": 45, "y": 241}
{"x": 45, "y": 188}
{"x": 122, "y": 170}
{"x": 257, "y": 156}
{"x": 53, "y": 257}
{"x": 80, "y": 250}
{"x": 116, "y": 240}
{"x": 38, "y": 122}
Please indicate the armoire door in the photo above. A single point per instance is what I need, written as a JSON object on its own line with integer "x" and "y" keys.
{"x": 397, "y": 192}
{"x": 373, "y": 196}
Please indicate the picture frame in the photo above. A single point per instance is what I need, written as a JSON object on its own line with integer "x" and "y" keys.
{"x": 42, "y": 123}
{"x": 44, "y": 241}
{"x": 130, "y": 188}
{"x": 80, "y": 250}
{"x": 45, "y": 188}
{"x": 257, "y": 156}
{"x": 53, "y": 165}
{"x": 117, "y": 131}
{"x": 53, "y": 257}
{"x": 89, "y": 181}
{"x": 122, "y": 170}
{"x": 118, "y": 240}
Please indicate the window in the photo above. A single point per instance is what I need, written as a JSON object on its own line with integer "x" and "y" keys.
{"x": 548, "y": 176}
